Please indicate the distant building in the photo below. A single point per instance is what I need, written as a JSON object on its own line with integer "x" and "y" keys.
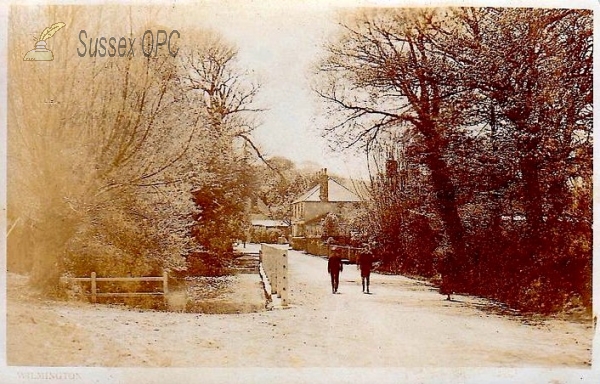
{"x": 269, "y": 224}
{"x": 263, "y": 229}
{"x": 310, "y": 209}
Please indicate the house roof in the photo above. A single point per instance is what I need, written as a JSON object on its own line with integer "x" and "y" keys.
{"x": 269, "y": 223}
{"x": 337, "y": 193}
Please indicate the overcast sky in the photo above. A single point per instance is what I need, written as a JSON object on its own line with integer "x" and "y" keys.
{"x": 280, "y": 42}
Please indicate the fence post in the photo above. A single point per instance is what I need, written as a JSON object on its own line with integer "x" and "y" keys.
{"x": 272, "y": 274}
{"x": 165, "y": 287}
{"x": 93, "y": 287}
{"x": 165, "y": 282}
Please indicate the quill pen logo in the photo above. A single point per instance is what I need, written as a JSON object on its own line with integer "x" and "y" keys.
{"x": 41, "y": 52}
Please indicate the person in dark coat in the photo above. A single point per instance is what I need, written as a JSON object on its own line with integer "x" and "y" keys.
{"x": 365, "y": 262}
{"x": 334, "y": 267}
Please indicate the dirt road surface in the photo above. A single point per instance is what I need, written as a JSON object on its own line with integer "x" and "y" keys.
{"x": 404, "y": 323}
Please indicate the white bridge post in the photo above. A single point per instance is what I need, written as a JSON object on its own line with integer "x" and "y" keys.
{"x": 283, "y": 284}
{"x": 275, "y": 265}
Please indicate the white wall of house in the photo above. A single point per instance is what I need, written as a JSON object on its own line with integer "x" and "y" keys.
{"x": 307, "y": 210}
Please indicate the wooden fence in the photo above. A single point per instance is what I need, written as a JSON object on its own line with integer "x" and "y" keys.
{"x": 94, "y": 292}
{"x": 274, "y": 261}
{"x": 318, "y": 247}
{"x": 352, "y": 254}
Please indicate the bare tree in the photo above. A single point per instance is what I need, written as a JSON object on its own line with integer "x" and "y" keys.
{"x": 497, "y": 108}
{"x": 380, "y": 76}
{"x": 225, "y": 95}
{"x": 103, "y": 155}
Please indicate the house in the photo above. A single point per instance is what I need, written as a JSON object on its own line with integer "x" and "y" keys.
{"x": 310, "y": 209}
{"x": 262, "y": 228}
{"x": 267, "y": 224}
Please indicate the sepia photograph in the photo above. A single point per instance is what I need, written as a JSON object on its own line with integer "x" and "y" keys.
{"x": 298, "y": 191}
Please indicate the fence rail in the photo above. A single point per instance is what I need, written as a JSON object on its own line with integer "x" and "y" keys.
{"x": 94, "y": 286}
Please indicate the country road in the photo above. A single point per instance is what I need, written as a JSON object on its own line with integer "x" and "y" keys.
{"x": 403, "y": 323}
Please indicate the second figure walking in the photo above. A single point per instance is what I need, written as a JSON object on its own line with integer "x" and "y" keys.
{"x": 334, "y": 267}
{"x": 365, "y": 262}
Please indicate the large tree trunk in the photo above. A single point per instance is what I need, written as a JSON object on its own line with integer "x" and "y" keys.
{"x": 532, "y": 199}
{"x": 455, "y": 264}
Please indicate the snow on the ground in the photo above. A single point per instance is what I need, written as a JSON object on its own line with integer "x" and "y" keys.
{"x": 404, "y": 323}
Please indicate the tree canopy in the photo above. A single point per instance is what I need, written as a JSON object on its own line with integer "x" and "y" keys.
{"x": 491, "y": 109}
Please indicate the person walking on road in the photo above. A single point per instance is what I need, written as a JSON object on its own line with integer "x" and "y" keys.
{"x": 334, "y": 266}
{"x": 365, "y": 262}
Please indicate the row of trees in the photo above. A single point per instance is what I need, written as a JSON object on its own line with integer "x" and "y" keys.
{"x": 123, "y": 165}
{"x": 489, "y": 112}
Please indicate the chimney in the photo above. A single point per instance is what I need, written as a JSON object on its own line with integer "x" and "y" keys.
{"x": 324, "y": 185}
